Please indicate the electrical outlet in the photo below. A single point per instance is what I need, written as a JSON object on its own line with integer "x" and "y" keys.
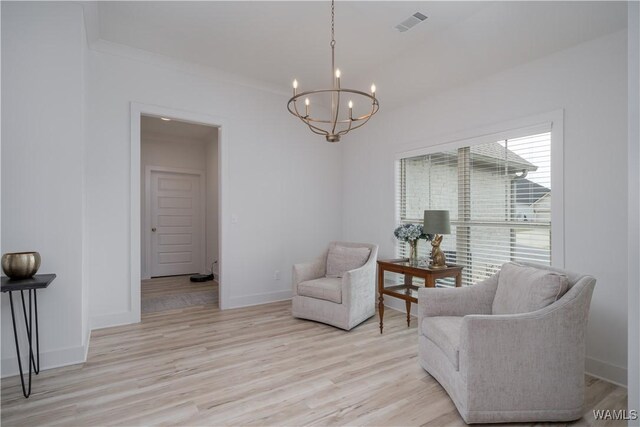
{"x": 276, "y": 275}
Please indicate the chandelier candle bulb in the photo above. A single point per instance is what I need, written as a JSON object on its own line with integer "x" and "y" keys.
{"x": 306, "y": 106}
{"x": 373, "y": 89}
{"x": 295, "y": 86}
{"x": 350, "y": 110}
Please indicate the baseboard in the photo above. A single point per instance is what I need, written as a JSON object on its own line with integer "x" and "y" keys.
{"x": 109, "y": 320}
{"x": 87, "y": 342}
{"x": 256, "y": 299}
{"x": 596, "y": 368}
{"x": 606, "y": 371}
{"x": 126, "y": 317}
{"x": 48, "y": 360}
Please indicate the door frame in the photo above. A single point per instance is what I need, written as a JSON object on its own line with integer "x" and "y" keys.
{"x": 146, "y": 223}
{"x": 135, "y": 263}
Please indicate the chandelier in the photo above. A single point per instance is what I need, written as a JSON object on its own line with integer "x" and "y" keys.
{"x": 336, "y": 122}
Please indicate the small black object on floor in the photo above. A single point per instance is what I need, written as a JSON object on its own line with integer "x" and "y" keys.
{"x": 201, "y": 277}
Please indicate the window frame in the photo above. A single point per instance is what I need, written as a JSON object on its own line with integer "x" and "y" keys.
{"x": 552, "y": 122}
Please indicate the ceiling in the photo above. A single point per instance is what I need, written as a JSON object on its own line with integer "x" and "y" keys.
{"x": 275, "y": 42}
{"x": 175, "y": 129}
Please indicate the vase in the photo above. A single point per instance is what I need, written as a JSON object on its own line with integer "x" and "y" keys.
{"x": 413, "y": 251}
{"x": 20, "y": 265}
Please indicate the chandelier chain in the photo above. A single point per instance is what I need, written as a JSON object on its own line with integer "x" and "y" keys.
{"x": 333, "y": 38}
{"x": 333, "y": 48}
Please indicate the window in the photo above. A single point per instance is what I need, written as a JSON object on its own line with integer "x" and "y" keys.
{"x": 498, "y": 195}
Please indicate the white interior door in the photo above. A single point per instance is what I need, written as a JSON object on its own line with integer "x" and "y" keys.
{"x": 176, "y": 224}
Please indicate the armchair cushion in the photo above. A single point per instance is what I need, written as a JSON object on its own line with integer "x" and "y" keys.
{"x": 444, "y": 331}
{"x": 326, "y": 288}
{"x": 341, "y": 259}
{"x": 523, "y": 289}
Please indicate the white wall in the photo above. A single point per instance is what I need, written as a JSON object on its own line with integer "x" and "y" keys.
{"x": 170, "y": 152}
{"x": 43, "y": 45}
{"x": 634, "y": 205}
{"x": 157, "y": 150}
{"x": 284, "y": 184}
{"x": 589, "y": 83}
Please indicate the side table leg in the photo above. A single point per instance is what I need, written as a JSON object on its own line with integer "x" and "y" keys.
{"x": 28, "y": 323}
{"x": 380, "y": 296}
{"x": 408, "y": 305}
{"x": 381, "y": 310}
{"x": 15, "y": 336}
{"x": 35, "y": 308}
{"x": 408, "y": 282}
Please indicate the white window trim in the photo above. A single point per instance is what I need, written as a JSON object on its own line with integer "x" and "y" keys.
{"x": 552, "y": 121}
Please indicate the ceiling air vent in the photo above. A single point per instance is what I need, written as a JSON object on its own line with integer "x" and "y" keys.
{"x": 410, "y": 22}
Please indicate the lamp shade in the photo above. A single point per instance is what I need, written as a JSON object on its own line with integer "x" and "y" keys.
{"x": 436, "y": 222}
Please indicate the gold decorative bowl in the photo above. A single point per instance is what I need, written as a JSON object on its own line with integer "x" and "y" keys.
{"x": 20, "y": 265}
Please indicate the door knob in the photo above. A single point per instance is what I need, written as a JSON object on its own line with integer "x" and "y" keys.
{"x": 153, "y": 229}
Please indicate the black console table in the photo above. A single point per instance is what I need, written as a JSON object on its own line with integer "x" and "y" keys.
{"x": 39, "y": 281}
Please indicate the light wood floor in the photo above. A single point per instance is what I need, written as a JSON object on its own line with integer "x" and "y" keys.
{"x": 173, "y": 285}
{"x": 249, "y": 366}
{"x": 167, "y": 293}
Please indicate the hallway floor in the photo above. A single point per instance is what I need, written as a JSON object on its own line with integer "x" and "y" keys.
{"x": 175, "y": 292}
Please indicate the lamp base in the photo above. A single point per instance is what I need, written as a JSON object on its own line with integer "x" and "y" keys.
{"x": 437, "y": 267}
{"x": 437, "y": 256}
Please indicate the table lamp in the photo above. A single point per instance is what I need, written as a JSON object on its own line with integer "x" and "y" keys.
{"x": 437, "y": 223}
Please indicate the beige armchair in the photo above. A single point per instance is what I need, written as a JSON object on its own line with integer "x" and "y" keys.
{"x": 520, "y": 367}
{"x": 344, "y": 301}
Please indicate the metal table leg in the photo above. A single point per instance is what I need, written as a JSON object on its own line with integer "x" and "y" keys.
{"x": 36, "y": 366}
{"x": 33, "y": 360}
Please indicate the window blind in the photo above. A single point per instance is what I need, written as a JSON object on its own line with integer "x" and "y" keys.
{"x": 498, "y": 195}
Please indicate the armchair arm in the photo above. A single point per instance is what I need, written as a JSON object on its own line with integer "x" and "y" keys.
{"x": 474, "y": 299}
{"x": 359, "y": 293}
{"x": 520, "y": 357}
{"x": 308, "y": 271}
{"x": 359, "y": 284}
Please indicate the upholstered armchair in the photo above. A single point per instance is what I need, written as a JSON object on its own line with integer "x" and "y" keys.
{"x": 330, "y": 290}
{"x": 521, "y": 365}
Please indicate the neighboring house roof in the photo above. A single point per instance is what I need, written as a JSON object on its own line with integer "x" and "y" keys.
{"x": 492, "y": 154}
{"x": 495, "y": 151}
{"x": 529, "y": 192}
{"x": 542, "y": 200}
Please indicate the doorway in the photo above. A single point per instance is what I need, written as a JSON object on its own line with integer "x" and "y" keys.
{"x": 179, "y": 189}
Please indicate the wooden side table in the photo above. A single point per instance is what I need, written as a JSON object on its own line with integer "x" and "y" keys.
{"x": 408, "y": 291}
{"x": 39, "y": 281}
